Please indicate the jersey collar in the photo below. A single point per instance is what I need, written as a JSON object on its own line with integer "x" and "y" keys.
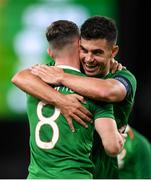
{"x": 68, "y": 67}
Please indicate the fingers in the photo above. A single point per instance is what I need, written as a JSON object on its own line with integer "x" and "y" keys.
{"x": 32, "y": 67}
{"x": 39, "y": 72}
{"x": 119, "y": 67}
{"x": 79, "y": 120}
{"x": 86, "y": 113}
{"x": 36, "y": 69}
{"x": 83, "y": 116}
{"x": 79, "y": 98}
{"x": 114, "y": 66}
{"x": 69, "y": 121}
{"x": 39, "y": 67}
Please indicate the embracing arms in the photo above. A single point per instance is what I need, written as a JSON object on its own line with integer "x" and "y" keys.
{"x": 69, "y": 105}
{"x": 110, "y": 90}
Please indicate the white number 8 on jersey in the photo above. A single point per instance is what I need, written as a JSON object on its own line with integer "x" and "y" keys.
{"x": 51, "y": 122}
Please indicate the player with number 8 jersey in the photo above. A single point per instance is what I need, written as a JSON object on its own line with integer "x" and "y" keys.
{"x": 56, "y": 152}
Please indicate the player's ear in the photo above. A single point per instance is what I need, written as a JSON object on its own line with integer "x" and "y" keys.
{"x": 49, "y": 51}
{"x": 115, "y": 50}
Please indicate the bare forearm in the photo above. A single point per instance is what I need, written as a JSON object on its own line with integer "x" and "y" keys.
{"x": 98, "y": 89}
{"x": 111, "y": 139}
{"x": 36, "y": 87}
{"x": 109, "y": 90}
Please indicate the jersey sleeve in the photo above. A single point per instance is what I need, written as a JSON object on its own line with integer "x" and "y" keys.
{"x": 103, "y": 110}
{"x": 127, "y": 79}
{"x": 125, "y": 82}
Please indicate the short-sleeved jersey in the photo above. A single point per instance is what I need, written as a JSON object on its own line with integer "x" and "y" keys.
{"x": 106, "y": 167}
{"x": 135, "y": 159}
{"x": 56, "y": 152}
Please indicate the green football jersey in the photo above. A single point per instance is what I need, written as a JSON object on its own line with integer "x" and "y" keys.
{"x": 56, "y": 152}
{"x": 106, "y": 167}
{"x": 135, "y": 159}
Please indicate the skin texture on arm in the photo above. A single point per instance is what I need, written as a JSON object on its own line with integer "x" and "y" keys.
{"x": 69, "y": 105}
{"x": 112, "y": 140}
{"x": 30, "y": 84}
{"x": 109, "y": 90}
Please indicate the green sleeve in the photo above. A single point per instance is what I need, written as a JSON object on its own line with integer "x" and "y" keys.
{"x": 128, "y": 76}
{"x": 104, "y": 110}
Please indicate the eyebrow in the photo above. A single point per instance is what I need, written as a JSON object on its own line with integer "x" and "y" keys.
{"x": 94, "y": 50}
{"x": 97, "y": 51}
{"x": 82, "y": 47}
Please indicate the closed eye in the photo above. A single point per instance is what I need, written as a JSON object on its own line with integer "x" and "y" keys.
{"x": 97, "y": 52}
{"x": 83, "y": 49}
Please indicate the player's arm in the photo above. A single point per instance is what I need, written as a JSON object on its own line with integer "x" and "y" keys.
{"x": 106, "y": 127}
{"x": 110, "y": 90}
{"x": 112, "y": 140}
{"x": 70, "y": 106}
{"x": 35, "y": 86}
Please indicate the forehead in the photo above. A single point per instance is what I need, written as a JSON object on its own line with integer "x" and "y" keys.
{"x": 94, "y": 44}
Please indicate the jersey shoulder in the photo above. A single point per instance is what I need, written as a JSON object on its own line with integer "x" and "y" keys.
{"x": 126, "y": 74}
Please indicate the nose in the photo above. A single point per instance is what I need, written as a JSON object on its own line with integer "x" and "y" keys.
{"x": 89, "y": 57}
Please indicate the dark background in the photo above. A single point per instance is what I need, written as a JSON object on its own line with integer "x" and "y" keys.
{"x": 134, "y": 53}
{"x": 134, "y": 33}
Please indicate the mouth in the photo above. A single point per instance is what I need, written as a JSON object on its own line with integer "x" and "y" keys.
{"x": 90, "y": 68}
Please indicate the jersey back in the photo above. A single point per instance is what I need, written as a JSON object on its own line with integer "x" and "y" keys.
{"x": 56, "y": 152}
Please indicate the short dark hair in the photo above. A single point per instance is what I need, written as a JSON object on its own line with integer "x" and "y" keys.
{"x": 61, "y": 33}
{"x": 99, "y": 27}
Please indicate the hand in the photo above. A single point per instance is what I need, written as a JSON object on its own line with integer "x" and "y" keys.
{"x": 71, "y": 108}
{"x": 115, "y": 66}
{"x": 48, "y": 74}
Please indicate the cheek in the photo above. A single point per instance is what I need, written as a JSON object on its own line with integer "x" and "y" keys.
{"x": 82, "y": 56}
{"x": 81, "y": 53}
{"x": 100, "y": 60}
{"x": 103, "y": 60}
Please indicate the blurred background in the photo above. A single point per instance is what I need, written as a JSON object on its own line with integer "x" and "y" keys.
{"x": 22, "y": 43}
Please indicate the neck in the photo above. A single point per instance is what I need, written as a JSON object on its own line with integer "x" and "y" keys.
{"x": 104, "y": 72}
{"x": 68, "y": 60}
{"x": 106, "y": 69}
